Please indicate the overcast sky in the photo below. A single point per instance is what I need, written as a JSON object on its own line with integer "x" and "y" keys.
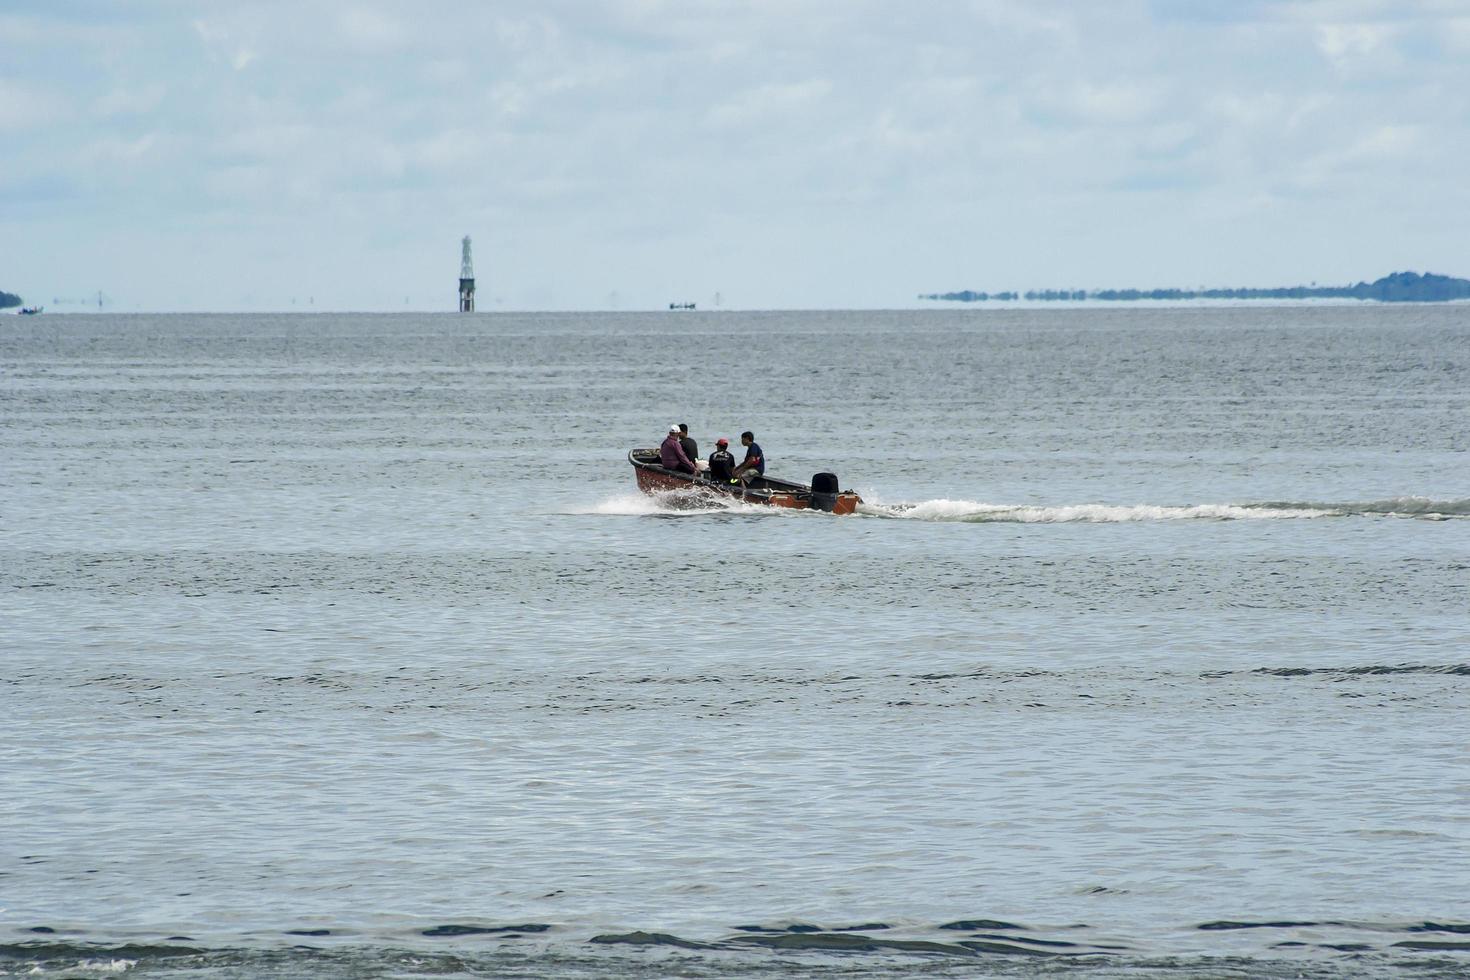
{"x": 781, "y": 153}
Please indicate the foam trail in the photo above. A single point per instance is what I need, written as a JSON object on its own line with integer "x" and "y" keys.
{"x": 682, "y": 503}
{"x": 974, "y": 512}
{"x": 670, "y": 503}
{"x": 628, "y": 504}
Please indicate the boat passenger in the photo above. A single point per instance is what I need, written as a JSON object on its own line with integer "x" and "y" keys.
{"x": 722, "y": 462}
{"x": 754, "y": 464}
{"x": 672, "y": 455}
{"x": 691, "y": 448}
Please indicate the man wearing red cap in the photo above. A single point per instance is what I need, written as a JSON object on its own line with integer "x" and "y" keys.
{"x": 721, "y": 462}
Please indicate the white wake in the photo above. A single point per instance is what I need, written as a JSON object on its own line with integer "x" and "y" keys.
{"x": 678, "y": 503}
{"x": 975, "y": 512}
{"x": 672, "y": 503}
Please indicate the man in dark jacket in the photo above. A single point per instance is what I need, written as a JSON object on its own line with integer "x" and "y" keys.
{"x": 672, "y": 455}
{"x": 721, "y": 462}
{"x": 691, "y": 448}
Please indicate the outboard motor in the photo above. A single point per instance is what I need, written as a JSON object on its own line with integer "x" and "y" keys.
{"x": 824, "y": 492}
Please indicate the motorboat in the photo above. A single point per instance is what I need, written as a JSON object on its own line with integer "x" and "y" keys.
{"x": 822, "y": 494}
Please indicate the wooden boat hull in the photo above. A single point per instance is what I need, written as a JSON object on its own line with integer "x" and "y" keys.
{"x": 652, "y": 477}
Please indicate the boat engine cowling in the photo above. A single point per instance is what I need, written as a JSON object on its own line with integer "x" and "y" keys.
{"x": 824, "y": 491}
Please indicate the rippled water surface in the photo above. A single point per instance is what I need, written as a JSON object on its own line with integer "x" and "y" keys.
{"x": 343, "y": 645}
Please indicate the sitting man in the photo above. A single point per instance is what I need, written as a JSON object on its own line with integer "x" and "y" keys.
{"x": 691, "y": 448}
{"x": 721, "y": 462}
{"x": 672, "y": 455}
{"x": 754, "y": 464}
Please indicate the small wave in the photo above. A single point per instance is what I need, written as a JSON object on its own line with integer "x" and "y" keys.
{"x": 1227, "y": 925}
{"x": 1423, "y": 507}
{"x": 975, "y": 512}
{"x": 467, "y": 930}
{"x": 1371, "y": 669}
{"x": 460, "y": 949}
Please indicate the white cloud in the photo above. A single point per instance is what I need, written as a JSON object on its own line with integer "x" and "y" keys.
{"x": 267, "y": 141}
{"x": 1342, "y": 42}
{"x": 110, "y": 151}
{"x": 1267, "y": 112}
{"x": 1387, "y": 142}
{"x": 25, "y": 106}
{"x": 368, "y": 29}
{"x": 224, "y": 44}
{"x": 1028, "y": 18}
{"x": 1456, "y": 34}
{"x": 531, "y": 33}
{"x": 129, "y": 101}
{"x": 1114, "y": 102}
{"x": 450, "y": 150}
{"x": 765, "y": 104}
{"x": 891, "y": 131}
{"x": 209, "y": 33}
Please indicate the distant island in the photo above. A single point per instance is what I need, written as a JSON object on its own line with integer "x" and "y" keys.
{"x": 7, "y": 300}
{"x": 1399, "y": 287}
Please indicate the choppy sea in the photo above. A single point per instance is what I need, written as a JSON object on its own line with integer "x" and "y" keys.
{"x": 344, "y": 646}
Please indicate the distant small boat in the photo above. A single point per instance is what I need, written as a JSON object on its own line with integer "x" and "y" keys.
{"x": 681, "y": 306}
{"x": 31, "y": 310}
{"x": 823, "y": 494}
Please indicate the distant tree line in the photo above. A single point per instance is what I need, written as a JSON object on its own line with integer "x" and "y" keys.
{"x": 7, "y": 300}
{"x": 1399, "y": 287}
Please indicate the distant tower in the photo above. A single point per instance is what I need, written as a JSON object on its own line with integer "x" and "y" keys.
{"x": 466, "y": 279}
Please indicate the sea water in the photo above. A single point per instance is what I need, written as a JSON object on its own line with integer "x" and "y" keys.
{"x": 343, "y": 645}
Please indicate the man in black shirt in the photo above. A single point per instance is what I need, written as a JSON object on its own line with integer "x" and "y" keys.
{"x": 721, "y": 462}
{"x": 691, "y": 448}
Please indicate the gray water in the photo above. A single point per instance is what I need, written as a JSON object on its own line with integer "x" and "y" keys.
{"x": 343, "y": 645}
